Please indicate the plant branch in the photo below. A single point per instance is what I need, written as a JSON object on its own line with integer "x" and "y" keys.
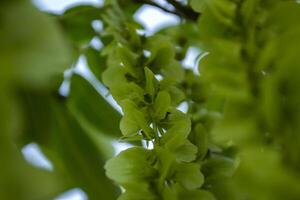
{"x": 184, "y": 10}
{"x": 151, "y": 3}
{"x": 180, "y": 10}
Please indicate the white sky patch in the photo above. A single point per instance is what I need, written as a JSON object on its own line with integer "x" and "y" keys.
{"x": 74, "y": 194}
{"x": 64, "y": 88}
{"x": 164, "y": 3}
{"x": 97, "y": 25}
{"x": 184, "y": 2}
{"x": 191, "y": 59}
{"x": 59, "y": 6}
{"x": 183, "y": 107}
{"x": 148, "y": 145}
{"x": 158, "y": 77}
{"x": 96, "y": 43}
{"x": 35, "y": 156}
{"x": 120, "y": 146}
{"x": 153, "y": 19}
{"x": 146, "y": 53}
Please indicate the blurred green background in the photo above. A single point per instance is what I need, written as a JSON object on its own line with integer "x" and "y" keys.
{"x": 53, "y": 102}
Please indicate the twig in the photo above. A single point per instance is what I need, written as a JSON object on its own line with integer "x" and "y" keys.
{"x": 180, "y": 10}
{"x": 184, "y": 10}
{"x": 151, "y": 3}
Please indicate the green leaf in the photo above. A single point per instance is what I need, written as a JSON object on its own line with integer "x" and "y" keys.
{"x": 197, "y": 195}
{"x": 189, "y": 175}
{"x": 131, "y": 166}
{"x": 133, "y": 119}
{"x": 151, "y": 83}
{"x": 199, "y": 137}
{"x": 161, "y": 105}
{"x": 219, "y": 165}
{"x": 177, "y": 95}
{"x": 115, "y": 78}
{"x": 162, "y": 52}
{"x": 127, "y": 58}
{"x": 129, "y": 126}
{"x": 138, "y": 190}
{"x": 178, "y": 126}
{"x": 96, "y": 62}
{"x": 186, "y": 152}
{"x": 198, "y": 88}
{"x": 131, "y": 138}
{"x": 222, "y": 11}
{"x": 197, "y": 5}
{"x": 170, "y": 193}
{"x": 248, "y": 10}
{"x": 166, "y": 160}
{"x": 77, "y": 23}
{"x": 228, "y": 80}
{"x": 173, "y": 71}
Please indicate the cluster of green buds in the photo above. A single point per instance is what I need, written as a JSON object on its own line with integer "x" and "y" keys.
{"x": 148, "y": 83}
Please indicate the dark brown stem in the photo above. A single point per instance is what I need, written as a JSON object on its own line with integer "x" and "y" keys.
{"x": 185, "y": 11}
{"x": 151, "y": 3}
{"x": 180, "y": 10}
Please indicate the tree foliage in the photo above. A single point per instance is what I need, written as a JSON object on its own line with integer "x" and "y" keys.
{"x": 239, "y": 138}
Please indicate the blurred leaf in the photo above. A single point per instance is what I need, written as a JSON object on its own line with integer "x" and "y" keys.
{"x": 96, "y": 62}
{"x": 77, "y": 22}
{"x": 189, "y": 175}
{"x": 15, "y": 172}
{"x": 197, "y": 195}
{"x": 274, "y": 184}
{"x": 186, "y": 152}
{"x": 199, "y": 137}
{"x": 83, "y": 158}
{"x": 37, "y": 117}
{"x": 173, "y": 71}
{"x": 135, "y": 191}
{"x": 131, "y": 165}
{"x": 33, "y": 48}
{"x": 162, "y": 52}
{"x": 219, "y": 165}
{"x": 197, "y": 6}
{"x": 88, "y": 106}
{"x": 77, "y": 153}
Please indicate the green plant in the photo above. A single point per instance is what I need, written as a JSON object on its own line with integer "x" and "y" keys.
{"x": 239, "y": 138}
